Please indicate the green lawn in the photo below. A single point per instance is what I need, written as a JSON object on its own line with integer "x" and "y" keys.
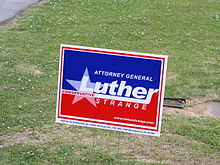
{"x": 187, "y": 31}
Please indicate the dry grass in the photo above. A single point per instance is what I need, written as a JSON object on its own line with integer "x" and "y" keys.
{"x": 169, "y": 149}
{"x": 31, "y": 69}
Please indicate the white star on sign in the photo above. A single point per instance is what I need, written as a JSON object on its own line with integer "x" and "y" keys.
{"x": 76, "y": 84}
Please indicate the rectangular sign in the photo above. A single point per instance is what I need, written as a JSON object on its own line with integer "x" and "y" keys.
{"x": 109, "y": 89}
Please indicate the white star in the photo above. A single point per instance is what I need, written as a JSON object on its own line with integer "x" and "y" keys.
{"x": 77, "y": 84}
{"x": 90, "y": 99}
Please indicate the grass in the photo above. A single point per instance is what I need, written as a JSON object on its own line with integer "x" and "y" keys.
{"x": 185, "y": 30}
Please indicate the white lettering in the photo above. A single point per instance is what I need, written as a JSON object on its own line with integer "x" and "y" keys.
{"x": 113, "y": 85}
{"x": 103, "y": 89}
{"x": 136, "y": 106}
{"x": 139, "y": 92}
{"x": 128, "y": 105}
{"x": 116, "y": 89}
{"x": 96, "y": 72}
{"x": 84, "y": 84}
{"x": 122, "y": 87}
{"x": 105, "y": 101}
{"x": 112, "y": 102}
{"x": 150, "y": 94}
{"x": 120, "y": 104}
{"x": 97, "y": 101}
{"x": 144, "y": 106}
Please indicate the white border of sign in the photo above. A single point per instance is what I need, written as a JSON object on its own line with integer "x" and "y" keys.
{"x": 106, "y": 124}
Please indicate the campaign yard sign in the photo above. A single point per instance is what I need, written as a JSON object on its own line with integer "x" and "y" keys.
{"x": 110, "y": 89}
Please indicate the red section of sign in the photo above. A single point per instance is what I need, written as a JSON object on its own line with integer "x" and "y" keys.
{"x": 111, "y": 110}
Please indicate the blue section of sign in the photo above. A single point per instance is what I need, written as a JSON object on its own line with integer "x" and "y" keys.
{"x": 76, "y": 62}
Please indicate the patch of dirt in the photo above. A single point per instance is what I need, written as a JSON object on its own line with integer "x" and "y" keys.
{"x": 167, "y": 149}
{"x": 28, "y": 69}
{"x": 34, "y": 137}
{"x": 1, "y": 65}
{"x": 19, "y": 137}
{"x": 193, "y": 108}
{"x": 9, "y": 23}
{"x": 88, "y": 141}
{"x": 170, "y": 148}
{"x": 171, "y": 76}
{"x": 43, "y": 1}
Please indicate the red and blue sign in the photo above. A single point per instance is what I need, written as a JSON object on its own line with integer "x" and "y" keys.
{"x": 109, "y": 89}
